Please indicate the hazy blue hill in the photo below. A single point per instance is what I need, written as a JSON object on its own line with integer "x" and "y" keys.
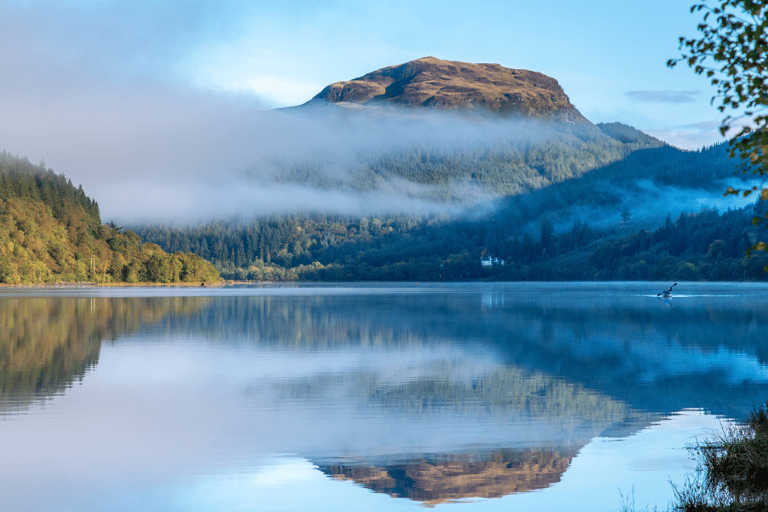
{"x": 649, "y": 175}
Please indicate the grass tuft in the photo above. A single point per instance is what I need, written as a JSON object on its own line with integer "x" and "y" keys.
{"x": 732, "y": 472}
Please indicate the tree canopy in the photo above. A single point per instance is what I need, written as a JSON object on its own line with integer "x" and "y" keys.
{"x": 51, "y": 231}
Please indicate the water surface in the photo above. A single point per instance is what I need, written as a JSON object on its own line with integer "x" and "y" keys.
{"x": 368, "y": 397}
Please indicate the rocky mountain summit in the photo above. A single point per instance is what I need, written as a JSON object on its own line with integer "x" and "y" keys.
{"x": 460, "y": 86}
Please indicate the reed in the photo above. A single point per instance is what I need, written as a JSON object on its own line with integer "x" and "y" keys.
{"x": 731, "y": 472}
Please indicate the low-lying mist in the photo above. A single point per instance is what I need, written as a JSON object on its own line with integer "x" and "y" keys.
{"x": 219, "y": 163}
{"x": 149, "y": 152}
{"x": 98, "y": 95}
{"x": 645, "y": 205}
{"x": 106, "y": 93}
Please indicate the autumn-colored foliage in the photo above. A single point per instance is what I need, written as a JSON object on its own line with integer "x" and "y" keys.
{"x": 51, "y": 231}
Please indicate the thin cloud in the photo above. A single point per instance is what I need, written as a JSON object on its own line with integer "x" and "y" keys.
{"x": 702, "y": 126}
{"x": 697, "y": 135}
{"x": 673, "y": 97}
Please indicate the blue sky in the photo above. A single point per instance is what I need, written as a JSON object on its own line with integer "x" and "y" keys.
{"x": 103, "y": 89}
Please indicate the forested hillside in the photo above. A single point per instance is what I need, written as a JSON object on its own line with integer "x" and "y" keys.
{"x": 583, "y": 228}
{"x": 51, "y": 231}
{"x": 508, "y": 167}
{"x": 661, "y": 176}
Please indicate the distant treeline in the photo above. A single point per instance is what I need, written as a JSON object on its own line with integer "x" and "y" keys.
{"x": 705, "y": 246}
{"x": 51, "y": 231}
{"x": 700, "y": 246}
{"x": 510, "y": 167}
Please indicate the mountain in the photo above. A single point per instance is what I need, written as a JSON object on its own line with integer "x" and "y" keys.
{"x": 530, "y": 180}
{"x": 451, "y": 85}
{"x": 510, "y": 131}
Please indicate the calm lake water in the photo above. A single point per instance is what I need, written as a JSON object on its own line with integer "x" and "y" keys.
{"x": 462, "y": 397}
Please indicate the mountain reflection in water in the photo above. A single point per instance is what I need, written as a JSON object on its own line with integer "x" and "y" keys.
{"x": 432, "y": 393}
{"x": 453, "y": 477}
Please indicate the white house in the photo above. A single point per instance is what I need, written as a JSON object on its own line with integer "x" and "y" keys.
{"x": 491, "y": 261}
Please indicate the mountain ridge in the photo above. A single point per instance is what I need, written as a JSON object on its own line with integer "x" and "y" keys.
{"x": 459, "y": 86}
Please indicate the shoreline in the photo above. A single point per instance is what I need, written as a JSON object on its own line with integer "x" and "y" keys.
{"x": 86, "y": 284}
